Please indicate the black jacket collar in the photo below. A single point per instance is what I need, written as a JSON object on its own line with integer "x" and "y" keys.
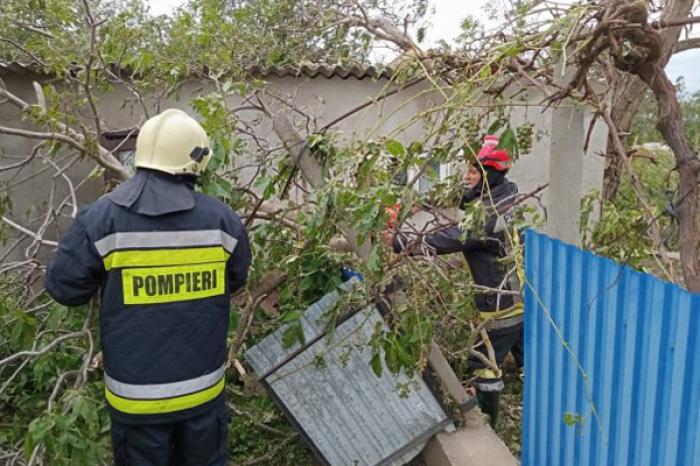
{"x": 154, "y": 193}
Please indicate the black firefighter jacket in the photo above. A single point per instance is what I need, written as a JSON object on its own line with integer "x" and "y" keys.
{"x": 483, "y": 250}
{"x": 166, "y": 260}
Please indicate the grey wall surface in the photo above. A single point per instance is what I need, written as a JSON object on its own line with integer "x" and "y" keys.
{"x": 558, "y": 143}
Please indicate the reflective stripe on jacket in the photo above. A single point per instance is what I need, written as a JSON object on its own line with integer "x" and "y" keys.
{"x": 165, "y": 284}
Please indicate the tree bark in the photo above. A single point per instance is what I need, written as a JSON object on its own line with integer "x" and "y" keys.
{"x": 625, "y": 105}
{"x": 312, "y": 172}
{"x": 671, "y": 127}
{"x": 629, "y": 89}
{"x": 687, "y": 44}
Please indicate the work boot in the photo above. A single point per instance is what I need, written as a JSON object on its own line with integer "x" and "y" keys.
{"x": 488, "y": 403}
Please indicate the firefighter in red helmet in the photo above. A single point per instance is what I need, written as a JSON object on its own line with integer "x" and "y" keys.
{"x": 485, "y": 247}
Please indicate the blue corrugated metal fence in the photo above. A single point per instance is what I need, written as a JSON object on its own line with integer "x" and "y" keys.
{"x": 612, "y": 363}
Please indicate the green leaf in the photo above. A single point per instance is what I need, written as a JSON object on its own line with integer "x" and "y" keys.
{"x": 573, "y": 419}
{"x": 307, "y": 283}
{"x": 235, "y": 319}
{"x": 23, "y": 330}
{"x": 299, "y": 330}
{"x": 374, "y": 261}
{"x": 513, "y": 50}
{"x": 28, "y": 447}
{"x": 364, "y": 171}
{"x": 391, "y": 356}
{"x": 217, "y": 187}
{"x": 262, "y": 181}
{"x": 508, "y": 141}
{"x": 395, "y": 148}
{"x": 376, "y": 364}
{"x": 496, "y": 125}
{"x": 291, "y": 316}
{"x": 293, "y": 335}
{"x": 269, "y": 191}
{"x": 289, "y": 338}
{"x": 218, "y": 156}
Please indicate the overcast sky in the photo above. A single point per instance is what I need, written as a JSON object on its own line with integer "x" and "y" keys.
{"x": 450, "y": 13}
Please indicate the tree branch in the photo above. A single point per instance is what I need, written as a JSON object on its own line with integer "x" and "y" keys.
{"x": 687, "y": 44}
{"x": 23, "y": 50}
{"x": 44, "y": 350}
{"x": 51, "y": 136}
{"x": 663, "y": 24}
{"x": 27, "y": 232}
{"x": 313, "y": 174}
{"x": 670, "y": 123}
{"x": 69, "y": 136}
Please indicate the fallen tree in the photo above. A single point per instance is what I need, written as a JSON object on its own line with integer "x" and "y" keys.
{"x": 309, "y": 188}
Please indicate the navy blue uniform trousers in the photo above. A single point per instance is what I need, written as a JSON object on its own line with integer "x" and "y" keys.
{"x": 196, "y": 441}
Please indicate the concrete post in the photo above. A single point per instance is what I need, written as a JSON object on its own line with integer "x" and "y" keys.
{"x": 568, "y": 135}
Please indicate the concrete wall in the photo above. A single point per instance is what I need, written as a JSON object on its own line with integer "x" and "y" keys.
{"x": 558, "y": 158}
{"x": 558, "y": 147}
{"x": 29, "y": 194}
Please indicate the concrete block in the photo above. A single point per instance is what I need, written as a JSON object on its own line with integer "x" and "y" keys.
{"x": 473, "y": 445}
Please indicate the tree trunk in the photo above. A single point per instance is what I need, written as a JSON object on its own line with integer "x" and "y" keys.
{"x": 629, "y": 89}
{"x": 671, "y": 127}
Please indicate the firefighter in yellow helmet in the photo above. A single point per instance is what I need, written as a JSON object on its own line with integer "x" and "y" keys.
{"x": 165, "y": 260}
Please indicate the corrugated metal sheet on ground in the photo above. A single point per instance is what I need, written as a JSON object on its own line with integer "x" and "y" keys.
{"x": 614, "y": 352}
{"x": 347, "y": 415}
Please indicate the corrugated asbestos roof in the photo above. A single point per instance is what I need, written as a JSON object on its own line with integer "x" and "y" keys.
{"x": 612, "y": 364}
{"x": 304, "y": 70}
{"x": 325, "y": 71}
{"x": 19, "y": 68}
{"x": 347, "y": 415}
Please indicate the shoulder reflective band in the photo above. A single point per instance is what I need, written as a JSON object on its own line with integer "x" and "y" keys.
{"x": 163, "y": 398}
{"x": 161, "y": 257}
{"x": 164, "y": 240}
{"x": 153, "y": 285}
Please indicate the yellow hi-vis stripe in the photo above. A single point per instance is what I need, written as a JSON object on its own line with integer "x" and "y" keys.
{"x": 488, "y": 374}
{"x": 515, "y": 310}
{"x": 154, "y": 285}
{"x": 167, "y": 405}
{"x": 163, "y": 257}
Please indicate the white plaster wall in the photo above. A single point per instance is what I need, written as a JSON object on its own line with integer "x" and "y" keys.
{"x": 324, "y": 100}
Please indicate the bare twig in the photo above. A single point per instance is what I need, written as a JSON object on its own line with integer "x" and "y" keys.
{"x": 28, "y": 232}
{"x": 24, "y": 50}
{"x": 68, "y": 136}
{"x": 44, "y": 350}
{"x": 240, "y": 412}
{"x": 265, "y": 459}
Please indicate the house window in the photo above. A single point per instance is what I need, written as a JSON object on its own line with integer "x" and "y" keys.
{"x": 122, "y": 144}
{"x": 434, "y": 172}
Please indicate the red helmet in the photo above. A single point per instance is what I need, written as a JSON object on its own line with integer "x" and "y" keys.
{"x": 489, "y": 156}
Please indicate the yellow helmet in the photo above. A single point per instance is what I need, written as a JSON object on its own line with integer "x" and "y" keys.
{"x": 172, "y": 142}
